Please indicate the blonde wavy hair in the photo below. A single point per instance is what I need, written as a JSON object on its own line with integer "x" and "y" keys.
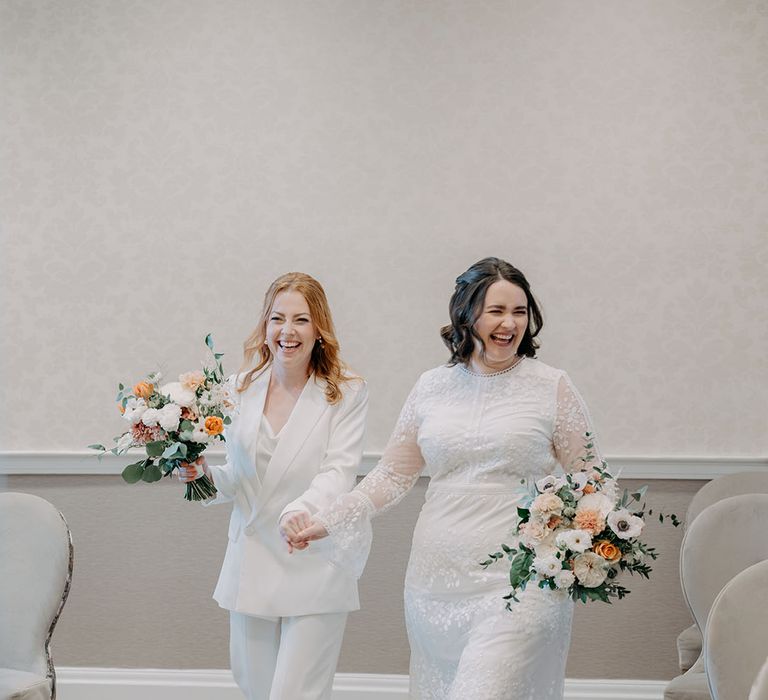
{"x": 325, "y": 360}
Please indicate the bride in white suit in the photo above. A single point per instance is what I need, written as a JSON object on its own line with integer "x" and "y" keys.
{"x": 293, "y": 446}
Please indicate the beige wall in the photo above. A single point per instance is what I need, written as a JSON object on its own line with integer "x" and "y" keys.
{"x": 146, "y": 562}
{"x": 164, "y": 160}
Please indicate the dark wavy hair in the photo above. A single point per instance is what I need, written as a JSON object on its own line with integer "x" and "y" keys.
{"x": 466, "y": 305}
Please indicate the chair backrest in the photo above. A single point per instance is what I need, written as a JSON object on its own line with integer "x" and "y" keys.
{"x": 736, "y": 639}
{"x": 760, "y": 686}
{"x": 36, "y": 566}
{"x": 725, "y": 487}
{"x": 726, "y": 538}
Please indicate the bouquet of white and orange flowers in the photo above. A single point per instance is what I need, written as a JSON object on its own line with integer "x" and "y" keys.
{"x": 174, "y": 423}
{"x": 578, "y": 533}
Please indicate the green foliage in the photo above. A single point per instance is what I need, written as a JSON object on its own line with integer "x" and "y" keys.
{"x": 155, "y": 449}
{"x": 133, "y": 472}
{"x": 152, "y": 473}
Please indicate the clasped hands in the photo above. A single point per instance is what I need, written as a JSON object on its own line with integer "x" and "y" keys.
{"x": 298, "y": 529}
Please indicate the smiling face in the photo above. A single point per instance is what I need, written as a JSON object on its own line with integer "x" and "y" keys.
{"x": 501, "y": 326}
{"x": 291, "y": 334}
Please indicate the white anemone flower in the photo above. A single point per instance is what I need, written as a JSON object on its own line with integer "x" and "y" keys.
{"x": 550, "y": 484}
{"x": 576, "y": 540}
{"x": 199, "y": 434}
{"x": 547, "y": 566}
{"x": 578, "y": 482}
{"x": 179, "y": 394}
{"x": 624, "y": 524}
{"x": 564, "y": 578}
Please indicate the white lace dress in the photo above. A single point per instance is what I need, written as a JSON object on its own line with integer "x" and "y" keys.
{"x": 478, "y": 435}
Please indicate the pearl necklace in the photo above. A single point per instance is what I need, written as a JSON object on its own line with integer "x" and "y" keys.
{"x": 466, "y": 369}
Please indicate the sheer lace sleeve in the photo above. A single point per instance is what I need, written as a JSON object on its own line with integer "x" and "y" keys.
{"x": 573, "y": 432}
{"x": 348, "y": 518}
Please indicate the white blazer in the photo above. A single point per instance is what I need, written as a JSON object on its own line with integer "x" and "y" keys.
{"x": 315, "y": 460}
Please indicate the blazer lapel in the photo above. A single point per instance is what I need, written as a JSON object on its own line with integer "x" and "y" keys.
{"x": 251, "y": 410}
{"x": 307, "y": 411}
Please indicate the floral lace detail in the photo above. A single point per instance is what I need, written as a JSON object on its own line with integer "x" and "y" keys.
{"x": 479, "y": 436}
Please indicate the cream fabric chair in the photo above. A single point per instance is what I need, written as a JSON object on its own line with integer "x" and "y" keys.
{"x": 36, "y": 564}
{"x": 726, "y": 538}
{"x": 736, "y": 638}
{"x": 689, "y": 640}
{"x": 760, "y": 687}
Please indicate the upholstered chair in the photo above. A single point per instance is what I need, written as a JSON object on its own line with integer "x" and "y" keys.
{"x": 689, "y": 640}
{"x": 736, "y": 638}
{"x": 726, "y": 538}
{"x": 760, "y": 686}
{"x": 36, "y": 566}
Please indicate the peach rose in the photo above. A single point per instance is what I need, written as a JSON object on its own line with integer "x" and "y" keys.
{"x": 191, "y": 380}
{"x": 188, "y": 414}
{"x": 214, "y": 425}
{"x": 546, "y": 505}
{"x": 607, "y": 550}
{"x": 588, "y": 488}
{"x": 554, "y": 521}
{"x": 143, "y": 390}
{"x": 590, "y": 520}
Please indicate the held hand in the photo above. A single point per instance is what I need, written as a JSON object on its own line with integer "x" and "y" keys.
{"x": 315, "y": 531}
{"x": 189, "y": 471}
{"x": 291, "y": 524}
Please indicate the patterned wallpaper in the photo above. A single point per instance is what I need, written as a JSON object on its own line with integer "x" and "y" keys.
{"x": 163, "y": 161}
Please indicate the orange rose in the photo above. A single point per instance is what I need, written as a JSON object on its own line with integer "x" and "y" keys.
{"x": 143, "y": 390}
{"x": 607, "y": 550}
{"x": 214, "y": 425}
{"x": 589, "y": 488}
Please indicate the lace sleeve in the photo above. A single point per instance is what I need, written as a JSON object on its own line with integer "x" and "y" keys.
{"x": 348, "y": 518}
{"x": 573, "y": 431}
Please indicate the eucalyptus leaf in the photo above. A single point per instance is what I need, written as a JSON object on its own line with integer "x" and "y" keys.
{"x": 152, "y": 473}
{"x": 100, "y": 448}
{"x": 155, "y": 449}
{"x": 132, "y": 473}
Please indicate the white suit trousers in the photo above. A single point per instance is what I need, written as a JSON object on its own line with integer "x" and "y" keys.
{"x": 285, "y": 658}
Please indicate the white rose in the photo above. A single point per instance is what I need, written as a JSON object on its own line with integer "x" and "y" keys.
{"x": 178, "y": 394}
{"x": 590, "y": 569}
{"x": 547, "y": 566}
{"x": 596, "y": 501}
{"x": 532, "y": 532}
{"x": 624, "y": 524}
{"x": 150, "y": 416}
{"x": 199, "y": 434}
{"x": 551, "y": 484}
{"x": 169, "y": 415}
{"x": 564, "y": 578}
{"x": 575, "y": 540}
{"x": 134, "y": 410}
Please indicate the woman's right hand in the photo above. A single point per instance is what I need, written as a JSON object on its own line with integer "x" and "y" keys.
{"x": 189, "y": 471}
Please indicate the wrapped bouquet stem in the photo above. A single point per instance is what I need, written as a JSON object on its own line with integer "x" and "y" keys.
{"x": 174, "y": 423}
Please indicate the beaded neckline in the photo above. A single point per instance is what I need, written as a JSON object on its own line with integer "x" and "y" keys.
{"x": 516, "y": 364}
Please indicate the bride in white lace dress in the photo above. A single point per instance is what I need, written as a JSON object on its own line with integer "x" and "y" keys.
{"x": 491, "y": 417}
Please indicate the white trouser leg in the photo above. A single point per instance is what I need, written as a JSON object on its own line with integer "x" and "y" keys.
{"x": 309, "y": 652}
{"x": 289, "y": 658}
{"x": 253, "y": 646}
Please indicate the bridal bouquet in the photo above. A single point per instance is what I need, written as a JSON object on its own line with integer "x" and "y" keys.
{"x": 578, "y": 533}
{"x": 174, "y": 423}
